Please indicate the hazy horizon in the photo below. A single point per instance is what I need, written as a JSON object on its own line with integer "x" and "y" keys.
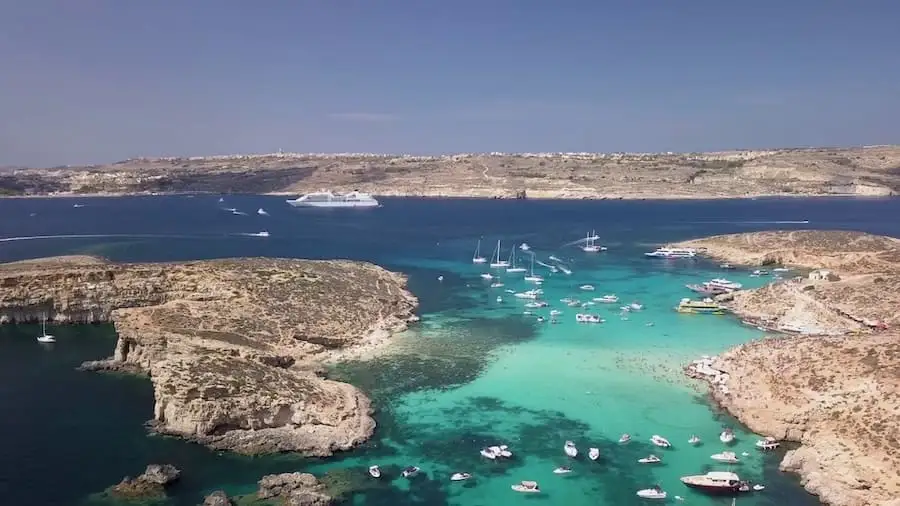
{"x": 101, "y": 81}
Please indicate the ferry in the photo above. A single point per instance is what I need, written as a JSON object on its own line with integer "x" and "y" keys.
{"x": 706, "y": 306}
{"x": 328, "y": 199}
{"x": 672, "y": 253}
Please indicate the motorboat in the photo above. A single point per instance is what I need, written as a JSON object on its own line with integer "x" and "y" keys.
{"x": 694, "y": 440}
{"x": 570, "y": 449}
{"x": 530, "y": 294}
{"x": 588, "y": 318}
{"x": 587, "y": 288}
{"x": 488, "y": 453}
{"x": 264, "y": 233}
{"x": 726, "y": 457}
{"x": 666, "y": 252}
{"x": 374, "y": 471}
{"x": 460, "y": 476}
{"x": 594, "y": 453}
{"x": 524, "y": 246}
{"x": 499, "y": 299}
{"x": 410, "y": 472}
{"x": 624, "y": 438}
{"x": 555, "y": 312}
{"x": 554, "y": 258}
{"x": 329, "y": 199}
{"x": 660, "y": 441}
{"x": 781, "y": 269}
{"x": 497, "y": 285}
{"x": 634, "y": 306}
{"x": 487, "y": 275}
{"x": 706, "y": 306}
{"x": 768, "y": 443}
{"x": 706, "y": 289}
{"x": 606, "y": 299}
{"x": 715, "y": 482}
{"x": 650, "y": 459}
{"x": 652, "y": 493}
{"x": 476, "y": 257}
{"x": 261, "y": 212}
{"x": 727, "y": 436}
{"x": 565, "y": 270}
{"x": 759, "y": 487}
{"x": 496, "y": 263}
{"x": 45, "y": 338}
{"x": 562, "y": 470}
{"x": 527, "y": 487}
{"x": 503, "y": 451}
{"x": 726, "y": 266}
{"x": 724, "y": 283}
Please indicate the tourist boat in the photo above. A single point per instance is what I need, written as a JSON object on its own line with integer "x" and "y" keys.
{"x": 562, "y": 470}
{"x": 650, "y": 459}
{"x": 706, "y": 306}
{"x": 727, "y": 436}
{"x": 374, "y": 471}
{"x": 724, "y": 283}
{"x": 588, "y": 318}
{"x": 487, "y": 275}
{"x": 660, "y": 441}
{"x": 694, "y": 440}
{"x": 261, "y": 212}
{"x": 476, "y": 257}
{"x": 715, "y": 482}
{"x": 531, "y": 275}
{"x": 587, "y": 288}
{"x": 652, "y": 493}
{"x": 527, "y": 487}
{"x": 460, "y": 476}
{"x": 594, "y": 453}
{"x": 726, "y": 457}
{"x": 624, "y": 438}
{"x": 328, "y": 199}
{"x": 590, "y": 245}
{"x": 672, "y": 253}
{"x": 410, "y": 472}
{"x": 606, "y": 299}
{"x": 496, "y": 263}
{"x": 768, "y": 443}
{"x": 45, "y": 337}
{"x": 512, "y": 262}
{"x": 570, "y": 449}
{"x": 706, "y": 289}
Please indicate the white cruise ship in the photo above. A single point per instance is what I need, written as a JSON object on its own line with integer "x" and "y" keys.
{"x": 328, "y": 199}
{"x": 673, "y": 253}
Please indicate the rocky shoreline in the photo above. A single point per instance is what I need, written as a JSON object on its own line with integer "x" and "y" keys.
{"x": 233, "y": 347}
{"x": 833, "y": 386}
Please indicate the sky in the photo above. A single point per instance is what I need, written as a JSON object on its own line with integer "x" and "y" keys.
{"x": 95, "y": 81}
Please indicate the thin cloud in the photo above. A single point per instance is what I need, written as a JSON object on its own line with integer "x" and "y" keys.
{"x": 362, "y": 117}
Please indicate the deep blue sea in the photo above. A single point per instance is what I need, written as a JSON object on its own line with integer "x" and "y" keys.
{"x": 475, "y": 371}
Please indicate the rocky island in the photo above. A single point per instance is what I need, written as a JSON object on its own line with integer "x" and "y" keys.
{"x": 233, "y": 347}
{"x": 832, "y": 383}
{"x": 871, "y": 170}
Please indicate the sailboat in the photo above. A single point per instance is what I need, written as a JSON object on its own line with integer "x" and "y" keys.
{"x": 589, "y": 243}
{"x": 45, "y": 337}
{"x": 476, "y": 257}
{"x": 512, "y": 262}
{"x": 496, "y": 263}
{"x": 531, "y": 276}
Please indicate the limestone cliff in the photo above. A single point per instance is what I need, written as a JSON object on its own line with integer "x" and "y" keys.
{"x": 231, "y": 346}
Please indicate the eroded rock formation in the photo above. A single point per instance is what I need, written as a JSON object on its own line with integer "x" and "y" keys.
{"x": 293, "y": 489}
{"x": 151, "y": 483}
{"x": 231, "y": 346}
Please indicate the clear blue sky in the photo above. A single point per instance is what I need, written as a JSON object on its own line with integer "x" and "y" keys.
{"x": 101, "y": 80}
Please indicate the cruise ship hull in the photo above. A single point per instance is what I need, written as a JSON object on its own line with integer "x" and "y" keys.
{"x": 332, "y": 204}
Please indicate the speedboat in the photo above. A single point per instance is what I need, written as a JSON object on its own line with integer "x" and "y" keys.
{"x": 660, "y": 441}
{"x": 634, "y": 306}
{"x": 759, "y": 487}
{"x": 594, "y": 453}
{"x": 570, "y": 449}
{"x": 588, "y": 288}
{"x": 411, "y": 472}
{"x": 652, "y": 493}
{"x": 527, "y": 487}
{"x": 624, "y": 438}
{"x": 694, "y": 440}
{"x": 727, "y": 436}
{"x": 715, "y": 482}
{"x": 562, "y": 470}
{"x": 727, "y": 457}
{"x": 460, "y": 476}
{"x": 374, "y": 471}
{"x": 607, "y": 299}
{"x": 524, "y": 246}
{"x": 650, "y": 459}
{"x": 499, "y": 299}
{"x": 496, "y": 285}
{"x": 768, "y": 443}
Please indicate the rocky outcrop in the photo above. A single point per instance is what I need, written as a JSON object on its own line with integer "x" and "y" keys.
{"x": 293, "y": 489}
{"x": 838, "y": 395}
{"x": 152, "y": 483}
{"x": 231, "y": 346}
{"x": 217, "y": 498}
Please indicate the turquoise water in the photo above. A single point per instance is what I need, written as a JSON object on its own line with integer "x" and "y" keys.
{"x": 474, "y": 372}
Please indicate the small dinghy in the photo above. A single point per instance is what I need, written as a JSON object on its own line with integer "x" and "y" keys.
{"x": 374, "y": 471}
{"x": 726, "y": 457}
{"x": 562, "y": 470}
{"x": 460, "y": 476}
{"x": 527, "y": 487}
{"x": 594, "y": 453}
{"x": 758, "y": 487}
{"x": 570, "y": 449}
{"x": 624, "y": 438}
{"x": 650, "y": 459}
{"x": 660, "y": 441}
{"x": 694, "y": 440}
{"x": 411, "y": 472}
{"x": 652, "y": 493}
{"x": 727, "y": 436}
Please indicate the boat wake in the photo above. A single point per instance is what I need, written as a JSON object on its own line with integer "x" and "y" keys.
{"x": 253, "y": 234}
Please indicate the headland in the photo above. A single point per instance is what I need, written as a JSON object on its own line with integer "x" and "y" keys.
{"x": 863, "y": 171}
{"x": 233, "y": 347}
{"x": 832, "y": 381}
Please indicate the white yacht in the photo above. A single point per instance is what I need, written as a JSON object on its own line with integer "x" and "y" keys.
{"x": 724, "y": 284}
{"x": 328, "y": 199}
{"x": 672, "y": 253}
{"x": 726, "y": 457}
{"x": 570, "y": 449}
{"x": 652, "y": 493}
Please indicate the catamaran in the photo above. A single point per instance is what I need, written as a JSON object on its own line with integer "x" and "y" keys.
{"x": 496, "y": 263}
{"x": 476, "y": 257}
{"x": 512, "y": 262}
